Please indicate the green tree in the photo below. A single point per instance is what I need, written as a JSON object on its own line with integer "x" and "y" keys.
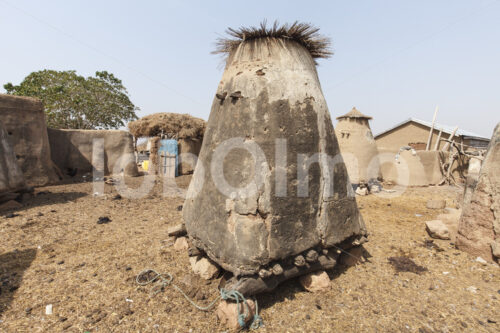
{"x": 75, "y": 102}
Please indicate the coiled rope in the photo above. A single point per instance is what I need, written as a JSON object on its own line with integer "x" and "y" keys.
{"x": 165, "y": 280}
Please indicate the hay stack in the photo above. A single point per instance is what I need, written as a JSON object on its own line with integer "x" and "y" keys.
{"x": 358, "y": 147}
{"x": 172, "y": 125}
{"x": 270, "y": 91}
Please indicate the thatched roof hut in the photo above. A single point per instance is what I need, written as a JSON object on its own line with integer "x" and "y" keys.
{"x": 186, "y": 129}
{"x": 172, "y": 125}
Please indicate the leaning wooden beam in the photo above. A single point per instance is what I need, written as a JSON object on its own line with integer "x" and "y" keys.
{"x": 447, "y": 175}
{"x": 447, "y": 168}
{"x": 450, "y": 138}
{"x": 436, "y": 146}
{"x": 432, "y": 128}
{"x": 461, "y": 151}
{"x": 451, "y": 160}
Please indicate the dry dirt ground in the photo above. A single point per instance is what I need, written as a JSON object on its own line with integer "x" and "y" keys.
{"x": 56, "y": 253}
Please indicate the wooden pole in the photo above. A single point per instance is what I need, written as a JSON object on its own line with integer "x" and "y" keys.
{"x": 436, "y": 146}
{"x": 447, "y": 145}
{"x": 432, "y": 128}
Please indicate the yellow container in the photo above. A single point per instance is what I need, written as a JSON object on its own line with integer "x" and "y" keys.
{"x": 145, "y": 165}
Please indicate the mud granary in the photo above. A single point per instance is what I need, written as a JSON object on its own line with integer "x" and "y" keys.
{"x": 272, "y": 197}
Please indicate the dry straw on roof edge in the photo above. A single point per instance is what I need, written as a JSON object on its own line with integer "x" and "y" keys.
{"x": 172, "y": 125}
{"x": 354, "y": 113}
{"x": 303, "y": 33}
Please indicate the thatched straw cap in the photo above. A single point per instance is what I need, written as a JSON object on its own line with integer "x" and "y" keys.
{"x": 354, "y": 113}
{"x": 303, "y": 33}
{"x": 172, "y": 125}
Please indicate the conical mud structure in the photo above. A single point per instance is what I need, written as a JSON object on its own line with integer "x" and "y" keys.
{"x": 358, "y": 147}
{"x": 270, "y": 197}
{"x": 479, "y": 225}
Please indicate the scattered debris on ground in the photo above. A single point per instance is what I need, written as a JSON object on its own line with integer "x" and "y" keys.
{"x": 437, "y": 229}
{"x": 405, "y": 264}
{"x": 429, "y": 243}
{"x": 103, "y": 220}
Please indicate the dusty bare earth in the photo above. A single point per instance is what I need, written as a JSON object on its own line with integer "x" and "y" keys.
{"x": 55, "y": 253}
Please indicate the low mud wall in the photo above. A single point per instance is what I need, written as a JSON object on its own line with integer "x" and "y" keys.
{"x": 72, "y": 151}
{"x": 417, "y": 168}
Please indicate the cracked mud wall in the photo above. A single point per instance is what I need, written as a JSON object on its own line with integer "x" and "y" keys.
{"x": 24, "y": 120}
{"x": 73, "y": 149}
{"x": 479, "y": 225}
{"x": 11, "y": 176}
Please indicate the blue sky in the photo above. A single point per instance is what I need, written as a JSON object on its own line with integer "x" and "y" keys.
{"x": 393, "y": 59}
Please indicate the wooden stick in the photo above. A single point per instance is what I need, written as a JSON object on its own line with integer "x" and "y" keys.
{"x": 450, "y": 138}
{"x": 432, "y": 128}
{"x": 451, "y": 159}
{"x": 441, "y": 163}
{"x": 447, "y": 169}
{"x": 436, "y": 146}
{"x": 461, "y": 151}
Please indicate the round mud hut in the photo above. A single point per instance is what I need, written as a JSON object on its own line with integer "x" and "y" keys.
{"x": 269, "y": 200}
{"x": 186, "y": 130}
{"x": 358, "y": 147}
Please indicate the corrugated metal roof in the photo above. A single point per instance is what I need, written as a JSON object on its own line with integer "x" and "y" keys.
{"x": 446, "y": 129}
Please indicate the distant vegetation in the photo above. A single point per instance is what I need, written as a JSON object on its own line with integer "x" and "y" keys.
{"x": 75, "y": 102}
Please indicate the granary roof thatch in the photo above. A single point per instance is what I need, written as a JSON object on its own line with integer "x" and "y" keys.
{"x": 354, "y": 113}
{"x": 303, "y": 33}
{"x": 172, "y": 125}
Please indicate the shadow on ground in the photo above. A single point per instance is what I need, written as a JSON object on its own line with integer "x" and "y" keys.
{"x": 12, "y": 268}
{"x": 288, "y": 289}
{"x": 43, "y": 198}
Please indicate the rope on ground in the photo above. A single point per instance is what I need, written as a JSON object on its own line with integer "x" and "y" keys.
{"x": 345, "y": 252}
{"x": 165, "y": 280}
{"x": 238, "y": 297}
